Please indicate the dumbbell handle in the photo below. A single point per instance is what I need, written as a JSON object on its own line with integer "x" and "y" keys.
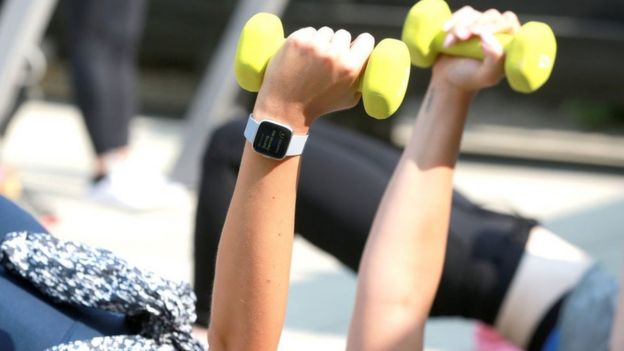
{"x": 255, "y": 89}
{"x": 470, "y": 48}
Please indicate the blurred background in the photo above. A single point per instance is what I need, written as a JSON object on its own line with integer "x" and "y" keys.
{"x": 557, "y": 154}
{"x": 584, "y": 92}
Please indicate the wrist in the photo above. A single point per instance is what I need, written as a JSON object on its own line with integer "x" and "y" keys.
{"x": 288, "y": 114}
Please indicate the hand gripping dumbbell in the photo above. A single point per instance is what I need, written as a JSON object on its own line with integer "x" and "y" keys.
{"x": 382, "y": 85}
{"x": 529, "y": 54}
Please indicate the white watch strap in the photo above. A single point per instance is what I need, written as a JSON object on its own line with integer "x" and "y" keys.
{"x": 297, "y": 141}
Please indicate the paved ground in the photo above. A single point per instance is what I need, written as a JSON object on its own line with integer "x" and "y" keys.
{"x": 48, "y": 145}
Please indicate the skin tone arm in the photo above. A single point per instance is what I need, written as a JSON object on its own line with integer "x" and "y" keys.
{"x": 403, "y": 258}
{"x": 315, "y": 72}
{"x": 617, "y": 333}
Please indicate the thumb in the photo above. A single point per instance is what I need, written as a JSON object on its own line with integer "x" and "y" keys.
{"x": 492, "y": 68}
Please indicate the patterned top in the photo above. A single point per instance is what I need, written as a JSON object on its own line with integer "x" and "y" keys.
{"x": 80, "y": 275}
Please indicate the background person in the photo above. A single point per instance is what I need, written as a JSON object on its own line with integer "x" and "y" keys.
{"x": 104, "y": 38}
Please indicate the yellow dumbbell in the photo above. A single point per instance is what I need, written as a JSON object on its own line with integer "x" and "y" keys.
{"x": 530, "y": 53}
{"x": 383, "y": 84}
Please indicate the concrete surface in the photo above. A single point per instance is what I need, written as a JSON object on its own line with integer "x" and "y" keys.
{"x": 48, "y": 145}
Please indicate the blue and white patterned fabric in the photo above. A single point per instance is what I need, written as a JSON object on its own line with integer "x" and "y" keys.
{"x": 79, "y": 275}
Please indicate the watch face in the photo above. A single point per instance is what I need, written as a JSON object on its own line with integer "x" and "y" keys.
{"x": 272, "y": 140}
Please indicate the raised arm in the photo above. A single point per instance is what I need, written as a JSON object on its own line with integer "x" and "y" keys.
{"x": 402, "y": 261}
{"x": 314, "y": 72}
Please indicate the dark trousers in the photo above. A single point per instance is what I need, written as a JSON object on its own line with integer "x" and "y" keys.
{"x": 103, "y": 42}
{"x": 30, "y": 321}
{"x": 343, "y": 177}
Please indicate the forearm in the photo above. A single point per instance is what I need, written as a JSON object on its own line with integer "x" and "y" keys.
{"x": 402, "y": 262}
{"x": 617, "y": 333}
{"x": 313, "y": 73}
{"x": 253, "y": 263}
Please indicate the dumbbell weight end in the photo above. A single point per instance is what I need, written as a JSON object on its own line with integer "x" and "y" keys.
{"x": 385, "y": 79}
{"x": 261, "y": 37}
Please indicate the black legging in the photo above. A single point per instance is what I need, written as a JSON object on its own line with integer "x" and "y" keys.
{"x": 343, "y": 177}
{"x": 103, "y": 40}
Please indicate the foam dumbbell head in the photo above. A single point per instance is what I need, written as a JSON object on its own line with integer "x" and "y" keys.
{"x": 530, "y": 57}
{"x": 260, "y": 39}
{"x": 385, "y": 80}
{"x": 423, "y": 24}
{"x": 530, "y": 53}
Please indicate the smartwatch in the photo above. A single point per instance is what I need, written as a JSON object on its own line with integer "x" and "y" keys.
{"x": 273, "y": 139}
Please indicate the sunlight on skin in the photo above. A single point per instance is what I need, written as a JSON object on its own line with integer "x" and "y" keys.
{"x": 201, "y": 334}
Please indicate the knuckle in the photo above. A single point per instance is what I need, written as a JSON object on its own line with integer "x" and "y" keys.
{"x": 344, "y": 32}
{"x": 347, "y": 70}
{"x": 303, "y": 45}
{"x": 326, "y": 28}
{"x": 510, "y": 14}
{"x": 492, "y": 12}
{"x": 325, "y": 58}
{"x": 344, "y": 70}
{"x": 296, "y": 41}
{"x": 512, "y": 18}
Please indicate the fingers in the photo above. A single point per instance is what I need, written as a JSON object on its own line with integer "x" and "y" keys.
{"x": 361, "y": 49}
{"x": 457, "y": 26}
{"x": 340, "y": 43}
{"x": 464, "y": 19}
{"x": 323, "y": 38}
{"x": 491, "y": 47}
{"x": 303, "y": 36}
{"x": 467, "y": 23}
{"x": 337, "y": 45}
{"x": 492, "y": 70}
{"x": 513, "y": 20}
{"x": 457, "y": 16}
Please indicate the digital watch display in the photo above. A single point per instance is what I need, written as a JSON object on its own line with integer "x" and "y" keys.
{"x": 273, "y": 139}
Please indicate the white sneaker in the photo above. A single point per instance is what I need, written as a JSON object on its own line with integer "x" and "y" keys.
{"x": 138, "y": 188}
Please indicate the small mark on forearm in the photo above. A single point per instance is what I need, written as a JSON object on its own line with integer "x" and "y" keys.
{"x": 429, "y": 102}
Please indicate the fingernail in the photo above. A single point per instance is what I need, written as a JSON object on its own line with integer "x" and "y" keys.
{"x": 448, "y": 41}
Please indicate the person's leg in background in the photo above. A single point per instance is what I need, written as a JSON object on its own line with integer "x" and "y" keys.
{"x": 104, "y": 38}
{"x": 31, "y": 321}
